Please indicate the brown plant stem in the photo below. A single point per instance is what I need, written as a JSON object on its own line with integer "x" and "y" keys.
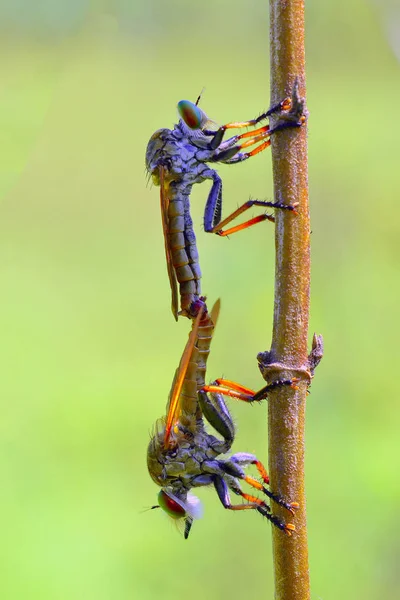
{"x": 288, "y": 356}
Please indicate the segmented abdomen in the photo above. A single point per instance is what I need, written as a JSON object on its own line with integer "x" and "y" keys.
{"x": 195, "y": 375}
{"x": 182, "y": 243}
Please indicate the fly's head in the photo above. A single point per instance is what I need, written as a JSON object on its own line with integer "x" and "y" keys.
{"x": 182, "y": 510}
{"x": 194, "y": 119}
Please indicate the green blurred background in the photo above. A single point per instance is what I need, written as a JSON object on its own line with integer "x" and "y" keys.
{"x": 89, "y": 345}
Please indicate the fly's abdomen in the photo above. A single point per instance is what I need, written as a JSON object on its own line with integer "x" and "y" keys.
{"x": 184, "y": 255}
{"x": 195, "y": 375}
{"x": 203, "y": 343}
{"x": 188, "y": 400}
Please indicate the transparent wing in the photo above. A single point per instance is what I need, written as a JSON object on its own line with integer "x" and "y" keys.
{"x": 164, "y": 204}
{"x": 215, "y": 311}
{"x": 180, "y": 374}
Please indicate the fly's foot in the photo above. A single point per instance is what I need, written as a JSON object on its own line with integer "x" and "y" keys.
{"x": 291, "y": 111}
{"x": 282, "y": 206}
{"x": 287, "y": 528}
{"x": 263, "y": 393}
{"x": 290, "y": 506}
{"x": 283, "y": 105}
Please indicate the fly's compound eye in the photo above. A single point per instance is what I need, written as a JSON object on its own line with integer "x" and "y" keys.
{"x": 191, "y": 114}
{"x": 171, "y": 505}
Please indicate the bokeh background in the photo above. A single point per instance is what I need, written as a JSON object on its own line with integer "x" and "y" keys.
{"x": 88, "y": 343}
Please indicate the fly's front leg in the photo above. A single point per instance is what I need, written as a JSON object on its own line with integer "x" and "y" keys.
{"x": 290, "y": 114}
{"x": 253, "y": 503}
{"x": 218, "y": 135}
{"x": 230, "y": 153}
{"x": 234, "y": 466}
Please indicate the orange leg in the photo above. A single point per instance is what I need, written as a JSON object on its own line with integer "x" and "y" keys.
{"x": 253, "y": 503}
{"x": 218, "y": 228}
{"x": 234, "y": 386}
{"x": 290, "y": 506}
{"x": 262, "y": 130}
{"x": 283, "y": 106}
{"x": 235, "y": 390}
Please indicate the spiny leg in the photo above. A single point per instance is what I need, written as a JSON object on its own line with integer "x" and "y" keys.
{"x": 213, "y": 209}
{"x": 253, "y": 503}
{"x": 219, "y": 227}
{"x": 229, "y": 152}
{"x": 218, "y": 135}
{"x": 229, "y": 388}
{"x": 233, "y": 466}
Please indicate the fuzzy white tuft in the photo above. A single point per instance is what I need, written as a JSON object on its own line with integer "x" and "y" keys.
{"x": 194, "y": 507}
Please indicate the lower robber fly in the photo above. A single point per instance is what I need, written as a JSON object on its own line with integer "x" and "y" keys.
{"x": 183, "y": 455}
{"x": 177, "y": 159}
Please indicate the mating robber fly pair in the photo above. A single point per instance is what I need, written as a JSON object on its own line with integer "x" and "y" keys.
{"x": 182, "y": 454}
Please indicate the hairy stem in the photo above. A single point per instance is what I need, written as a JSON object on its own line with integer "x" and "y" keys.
{"x": 288, "y": 356}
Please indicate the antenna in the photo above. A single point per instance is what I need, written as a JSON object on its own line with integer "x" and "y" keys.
{"x": 200, "y": 95}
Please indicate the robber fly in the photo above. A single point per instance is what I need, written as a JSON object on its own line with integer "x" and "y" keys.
{"x": 177, "y": 159}
{"x": 182, "y": 455}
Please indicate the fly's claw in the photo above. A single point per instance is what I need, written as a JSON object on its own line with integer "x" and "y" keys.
{"x": 293, "y": 385}
{"x": 291, "y": 111}
{"x": 289, "y": 528}
{"x": 284, "y": 105}
{"x": 292, "y": 507}
{"x": 291, "y": 207}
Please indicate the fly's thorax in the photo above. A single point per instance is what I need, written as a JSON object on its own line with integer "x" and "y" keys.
{"x": 155, "y": 453}
{"x": 166, "y": 464}
{"x": 180, "y": 465}
{"x": 155, "y": 147}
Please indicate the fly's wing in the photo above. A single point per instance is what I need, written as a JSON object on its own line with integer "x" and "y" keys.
{"x": 164, "y": 204}
{"x": 180, "y": 374}
{"x": 215, "y": 311}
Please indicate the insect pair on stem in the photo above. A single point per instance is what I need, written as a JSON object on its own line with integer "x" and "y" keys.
{"x": 182, "y": 454}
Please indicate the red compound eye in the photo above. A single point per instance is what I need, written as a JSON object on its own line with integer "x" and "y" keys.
{"x": 171, "y": 506}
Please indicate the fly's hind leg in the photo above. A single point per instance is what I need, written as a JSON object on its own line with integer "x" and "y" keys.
{"x": 213, "y": 210}
{"x": 226, "y": 387}
{"x": 217, "y": 414}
